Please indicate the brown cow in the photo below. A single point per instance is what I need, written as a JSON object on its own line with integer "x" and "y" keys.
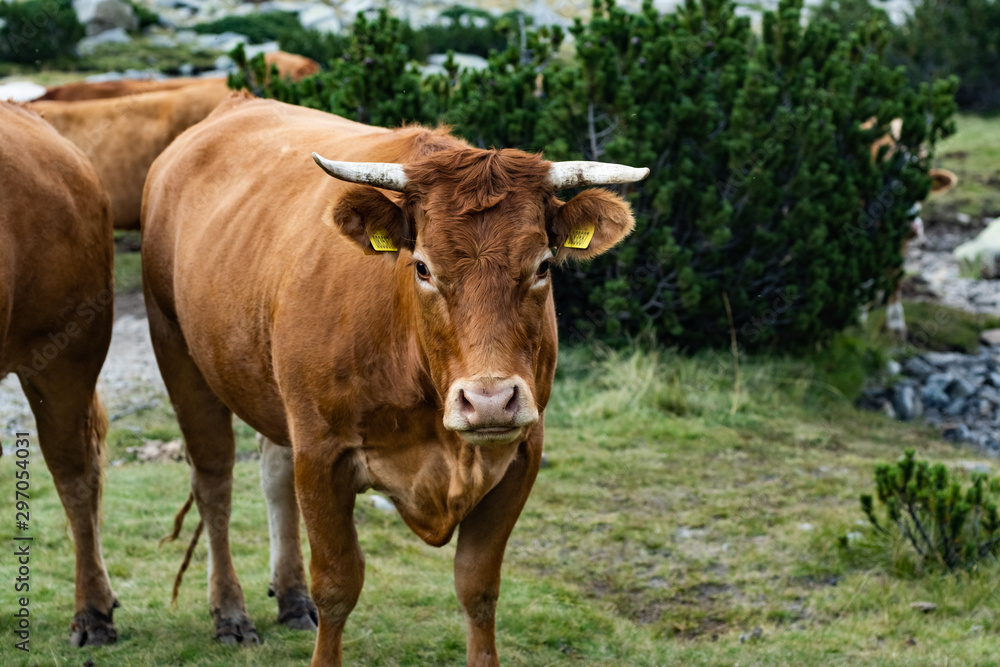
{"x": 942, "y": 180}
{"x": 290, "y": 66}
{"x": 122, "y": 136}
{"x": 423, "y": 372}
{"x": 100, "y": 90}
{"x": 55, "y": 326}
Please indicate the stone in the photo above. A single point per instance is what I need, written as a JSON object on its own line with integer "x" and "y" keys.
{"x": 990, "y": 337}
{"x": 88, "y": 45}
{"x": 980, "y": 257}
{"x": 994, "y": 379}
{"x": 99, "y": 16}
{"x": 958, "y": 433}
{"x": 893, "y": 367}
{"x": 976, "y": 466}
{"x": 320, "y": 18}
{"x": 463, "y": 60}
{"x": 225, "y": 42}
{"x": 917, "y": 368}
{"x": 956, "y": 407}
{"x": 944, "y": 359}
{"x": 906, "y": 401}
{"x": 925, "y": 607}
{"x": 960, "y": 388}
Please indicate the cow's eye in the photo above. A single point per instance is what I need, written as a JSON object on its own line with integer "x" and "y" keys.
{"x": 422, "y": 271}
{"x": 543, "y": 269}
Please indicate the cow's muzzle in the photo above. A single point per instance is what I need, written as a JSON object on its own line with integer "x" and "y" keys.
{"x": 490, "y": 410}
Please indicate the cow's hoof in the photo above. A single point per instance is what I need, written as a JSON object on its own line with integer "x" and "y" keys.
{"x": 233, "y": 631}
{"x": 92, "y": 628}
{"x": 297, "y": 611}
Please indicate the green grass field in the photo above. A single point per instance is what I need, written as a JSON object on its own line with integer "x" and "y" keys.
{"x": 664, "y": 529}
{"x": 973, "y": 153}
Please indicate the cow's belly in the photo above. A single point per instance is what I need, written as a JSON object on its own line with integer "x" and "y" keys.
{"x": 434, "y": 485}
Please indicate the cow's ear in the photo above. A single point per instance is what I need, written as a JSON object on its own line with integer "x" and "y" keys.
{"x": 942, "y": 180}
{"x": 589, "y": 224}
{"x": 372, "y": 220}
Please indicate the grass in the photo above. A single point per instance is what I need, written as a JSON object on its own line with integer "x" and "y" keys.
{"x": 973, "y": 153}
{"x": 664, "y": 530}
{"x": 932, "y": 326}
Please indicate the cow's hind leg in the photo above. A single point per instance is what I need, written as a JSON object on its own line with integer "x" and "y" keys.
{"x": 288, "y": 574}
{"x": 207, "y": 426}
{"x": 71, "y": 429}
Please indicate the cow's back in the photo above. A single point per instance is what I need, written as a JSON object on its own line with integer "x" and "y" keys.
{"x": 85, "y": 90}
{"x": 55, "y": 234}
{"x": 122, "y": 136}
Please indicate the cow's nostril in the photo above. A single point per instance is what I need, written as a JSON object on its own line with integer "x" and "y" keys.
{"x": 464, "y": 404}
{"x": 511, "y": 406}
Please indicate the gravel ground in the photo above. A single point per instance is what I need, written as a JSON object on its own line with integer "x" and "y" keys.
{"x": 129, "y": 381}
{"x": 935, "y": 275}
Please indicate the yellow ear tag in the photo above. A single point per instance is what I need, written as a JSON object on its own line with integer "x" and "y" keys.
{"x": 381, "y": 241}
{"x": 580, "y": 237}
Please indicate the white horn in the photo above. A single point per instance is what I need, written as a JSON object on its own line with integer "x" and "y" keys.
{"x": 576, "y": 174}
{"x": 387, "y": 175}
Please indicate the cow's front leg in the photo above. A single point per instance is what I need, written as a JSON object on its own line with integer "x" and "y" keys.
{"x": 326, "y": 488}
{"x": 482, "y": 539}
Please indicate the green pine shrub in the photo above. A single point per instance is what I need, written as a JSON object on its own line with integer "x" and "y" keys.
{"x": 955, "y": 38}
{"x": 926, "y": 521}
{"x": 763, "y": 214}
{"x": 374, "y": 81}
{"x": 258, "y": 28}
{"x": 37, "y": 31}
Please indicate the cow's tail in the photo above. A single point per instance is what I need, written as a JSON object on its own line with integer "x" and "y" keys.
{"x": 187, "y": 561}
{"x": 178, "y": 525}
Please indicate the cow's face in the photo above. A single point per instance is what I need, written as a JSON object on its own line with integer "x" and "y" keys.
{"x": 478, "y": 233}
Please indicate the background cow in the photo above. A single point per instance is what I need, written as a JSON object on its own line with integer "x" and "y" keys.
{"x": 290, "y": 65}
{"x": 55, "y": 328}
{"x": 942, "y": 180}
{"x": 123, "y": 135}
{"x": 423, "y": 373}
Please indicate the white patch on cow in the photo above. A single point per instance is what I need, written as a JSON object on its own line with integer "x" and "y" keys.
{"x": 895, "y": 321}
{"x": 277, "y": 479}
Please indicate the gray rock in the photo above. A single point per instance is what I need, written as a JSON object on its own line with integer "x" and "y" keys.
{"x": 960, "y": 387}
{"x": 944, "y": 359}
{"x": 957, "y": 433}
{"x": 88, "y": 45}
{"x": 321, "y": 18}
{"x": 226, "y": 41}
{"x": 892, "y": 367}
{"x": 956, "y": 407}
{"x": 463, "y": 60}
{"x": 918, "y": 368}
{"x": 990, "y": 337}
{"x": 906, "y": 401}
{"x": 994, "y": 379}
{"x": 102, "y": 15}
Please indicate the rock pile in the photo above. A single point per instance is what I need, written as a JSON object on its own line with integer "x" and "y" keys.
{"x": 960, "y": 393}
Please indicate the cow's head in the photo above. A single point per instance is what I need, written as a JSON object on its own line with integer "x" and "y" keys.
{"x": 477, "y": 232}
